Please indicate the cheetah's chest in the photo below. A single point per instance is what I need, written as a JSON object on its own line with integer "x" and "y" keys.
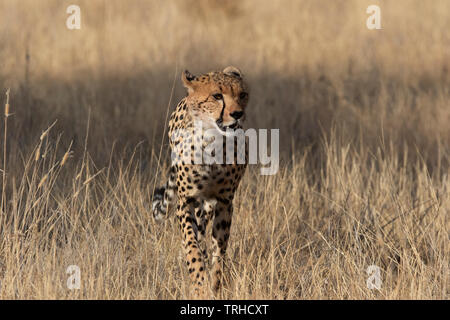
{"x": 201, "y": 172}
{"x": 208, "y": 180}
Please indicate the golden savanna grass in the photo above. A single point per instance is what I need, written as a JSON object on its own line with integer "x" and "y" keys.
{"x": 364, "y": 146}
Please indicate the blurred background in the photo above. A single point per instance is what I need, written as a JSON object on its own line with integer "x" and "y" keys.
{"x": 313, "y": 67}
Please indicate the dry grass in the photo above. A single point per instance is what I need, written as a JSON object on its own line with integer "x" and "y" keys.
{"x": 365, "y": 147}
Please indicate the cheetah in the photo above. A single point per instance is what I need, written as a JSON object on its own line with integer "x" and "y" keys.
{"x": 205, "y": 192}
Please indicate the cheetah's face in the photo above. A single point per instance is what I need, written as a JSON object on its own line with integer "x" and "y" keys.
{"x": 219, "y": 98}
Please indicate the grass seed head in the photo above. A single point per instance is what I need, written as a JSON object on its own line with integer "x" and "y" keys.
{"x": 41, "y": 183}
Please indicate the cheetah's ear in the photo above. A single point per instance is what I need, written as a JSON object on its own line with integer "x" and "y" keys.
{"x": 233, "y": 71}
{"x": 187, "y": 79}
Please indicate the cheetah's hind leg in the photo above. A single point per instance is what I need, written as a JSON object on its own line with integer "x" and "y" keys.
{"x": 163, "y": 197}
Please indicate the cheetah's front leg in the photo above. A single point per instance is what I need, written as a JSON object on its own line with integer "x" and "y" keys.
{"x": 194, "y": 257}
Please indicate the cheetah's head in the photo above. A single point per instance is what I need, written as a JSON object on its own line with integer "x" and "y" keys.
{"x": 218, "y": 99}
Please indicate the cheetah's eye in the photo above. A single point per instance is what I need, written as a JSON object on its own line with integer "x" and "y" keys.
{"x": 218, "y": 96}
{"x": 243, "y": 95}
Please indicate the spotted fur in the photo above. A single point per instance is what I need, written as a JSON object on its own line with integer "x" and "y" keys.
{"x": 205, "y": 192}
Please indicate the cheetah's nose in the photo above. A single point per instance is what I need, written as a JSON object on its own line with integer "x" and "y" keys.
{"x": 237, "y": 114}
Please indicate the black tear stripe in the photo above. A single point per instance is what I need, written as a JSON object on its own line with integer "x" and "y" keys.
{"x": 222, "y": 112}
{"x": 220, "y": 120}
